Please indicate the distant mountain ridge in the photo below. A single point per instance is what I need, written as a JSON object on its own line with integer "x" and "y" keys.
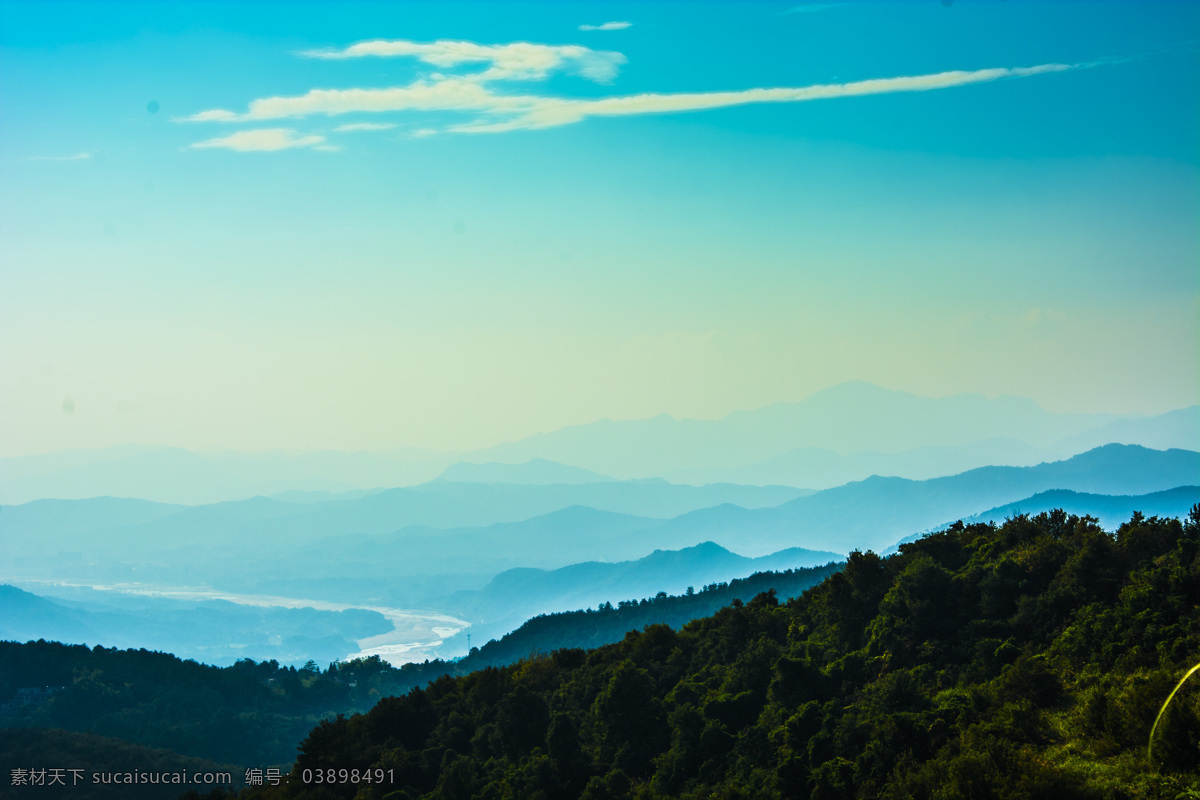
{"x": 1110, "y": 510}
{"x": 516, "y": 595}
{"x": 876, "y": 512}
{"x": 850, "y": 417}
{"x": 438, "y": 504}
{"x": 842, "y": 433}
{"x": 820, "y": 468}
{"x": 208, "y": 631}
{"x": 459, "y": 528}
{"x": 535, "y": 472}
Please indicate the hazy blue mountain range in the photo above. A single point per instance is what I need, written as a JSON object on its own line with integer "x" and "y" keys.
{"x": 1174, "y": 429}
{"x": 536, "y": 471}
{"x": 843, "y": 433}
{"x": 1110, "y": 510}
{"x": 317, "y": 496}
{"x": 876, "y": 512}
{"x": 516, "y": 595}
{"x": 820, "y": 468}
{"x": 213, "y": 631}
{"x": 472, "y": 529}
{"x": 56, "y": 535}
{"x": 867, "y": 514}
{"x": 848, "y": 418}
{"x": 559, "y": 538}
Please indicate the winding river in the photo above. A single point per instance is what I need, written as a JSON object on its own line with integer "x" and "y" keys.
{"x": 415, "y": 635}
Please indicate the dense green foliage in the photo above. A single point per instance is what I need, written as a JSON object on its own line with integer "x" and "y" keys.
{"x": 1021, "y": 661}
{"x": 248, "y": 714}
{"x": 607, "y": 624}
{"x": 95, "y": 759}
{"x": 254, "y": 714}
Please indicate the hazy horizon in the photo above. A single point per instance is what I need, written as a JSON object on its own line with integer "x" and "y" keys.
{"x": 489, "y": 444}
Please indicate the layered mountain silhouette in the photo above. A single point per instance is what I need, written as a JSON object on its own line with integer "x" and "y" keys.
{"x": 847, "y": 432}
{"x": 518, "y": 594}
{"x": 849, "y": 418}
{"x": 120, "y": 529}
{"x": 876, "y": 512}
{"x": 1110, "y": 510}
{"x": 479, "y": 529}
{"x": 536, "y": 471}
{"x": 215, "y": 632}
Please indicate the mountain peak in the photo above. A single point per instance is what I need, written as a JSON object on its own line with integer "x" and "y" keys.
{"x": 535, "y": 471}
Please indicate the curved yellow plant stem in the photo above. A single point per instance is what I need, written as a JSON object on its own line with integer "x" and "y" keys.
{"x": 1161, "y": 711}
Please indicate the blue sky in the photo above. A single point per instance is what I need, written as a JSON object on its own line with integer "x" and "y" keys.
{"x": 360, "y": 226}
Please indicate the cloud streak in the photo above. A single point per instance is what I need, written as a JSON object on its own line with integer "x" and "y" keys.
{"x": 263, "y": 140}
{"x": 482, "y": 92}
{"x": 498, "y": 112}
{"x": 607, "y": 26}
{"x": 553, "y": 113}
{"x": 521, "y": 61}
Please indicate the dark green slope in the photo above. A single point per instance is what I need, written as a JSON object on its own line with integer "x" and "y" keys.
{"x": 516, "y": 595}
{"x": 590, "y": 628}
{"x": 608, "y": 624}
{"x": 82, "y": 766}
{"x": 248, "y": 714}
{"x": 1020, "y": 661}
{"x": 255, "y": 714}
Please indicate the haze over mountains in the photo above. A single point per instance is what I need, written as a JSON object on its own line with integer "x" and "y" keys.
{"x": 1110, "y": 510}
{"x": 587, "y": 514}
{"x": 476, "y": 527}
{"x": 198, "y": 630}
{"x": 844, "y": 433}
{"x": 516, "y": 595}
{"x": 875, "y": 512}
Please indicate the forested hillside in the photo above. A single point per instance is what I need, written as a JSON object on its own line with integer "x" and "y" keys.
{"x": 1022, "y": 661}
{"x": 254, "y": 714}
{"x": 248, "y": 714}
{"x": 81, "y": 766}
{"x": 590, "y": 628}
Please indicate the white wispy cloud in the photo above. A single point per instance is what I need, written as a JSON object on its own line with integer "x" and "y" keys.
{"x": 517, "y": 61}
{"x": 262, "y": 140}
{"x": 550, "y": 112}
{"x": 76, "y": 157}
{"x": 496, "y": 112}
{"x": 447, "y": 94}
{"x": 364, "y": 126}
{"x": 213, "y": 115}
{"x": 482, "y": 93}
{"x": 607, "y": 26}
